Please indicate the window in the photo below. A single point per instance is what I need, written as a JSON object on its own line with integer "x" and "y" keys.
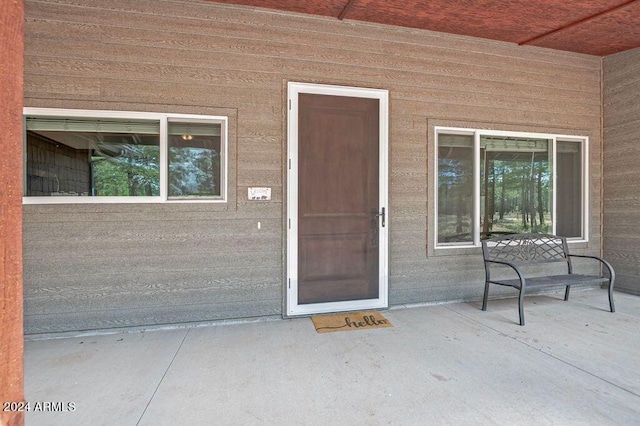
{"x": 194, "y": 159}
{"x": 491, "y": 183}
{"x": 102, "y": 156}
{"x": 455, "y": 188}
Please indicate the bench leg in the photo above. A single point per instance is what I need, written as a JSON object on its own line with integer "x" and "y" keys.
{"x": 521, "y": 306}
{"x": 611, "y": 305}
{"x": 566, "y": 293}
{"x": 486, "y": 296}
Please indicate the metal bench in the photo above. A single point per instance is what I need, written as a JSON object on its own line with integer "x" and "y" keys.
{"x": 517, "y": 251}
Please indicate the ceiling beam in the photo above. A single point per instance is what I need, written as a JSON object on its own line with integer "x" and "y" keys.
{"x": 346, "y": 9}
{"x": 579, "y": 22}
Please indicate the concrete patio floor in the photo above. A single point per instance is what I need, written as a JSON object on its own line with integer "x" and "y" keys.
{"x": 573, "y": 363}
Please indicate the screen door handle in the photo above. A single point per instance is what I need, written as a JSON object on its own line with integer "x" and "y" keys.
{"x": 382, "y": 215}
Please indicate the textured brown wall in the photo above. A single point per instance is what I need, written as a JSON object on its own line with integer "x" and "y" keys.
{"x": 11, "y": 340}
{"x": 622, "y": 167}
{"x": 93, "y": 266}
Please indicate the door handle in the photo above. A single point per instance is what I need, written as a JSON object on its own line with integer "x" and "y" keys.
{"x": 381, "y": 215}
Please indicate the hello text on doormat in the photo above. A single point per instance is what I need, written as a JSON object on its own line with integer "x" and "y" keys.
{"x": 363, "y": 320}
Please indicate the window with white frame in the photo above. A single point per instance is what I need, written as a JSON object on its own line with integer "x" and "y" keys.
{"x": 490, "y": 183}
{"x": 109, "y": 156}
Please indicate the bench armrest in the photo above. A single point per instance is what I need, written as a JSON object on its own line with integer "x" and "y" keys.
{"x": 505, "y": 263}
{"x": 612, "y": 273}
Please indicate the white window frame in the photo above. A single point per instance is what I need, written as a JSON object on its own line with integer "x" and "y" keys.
{"x": 477, "y": 134}
{"x": 163, "y": 119}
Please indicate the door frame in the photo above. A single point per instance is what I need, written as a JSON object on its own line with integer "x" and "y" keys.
{"x": 293, "y": 308}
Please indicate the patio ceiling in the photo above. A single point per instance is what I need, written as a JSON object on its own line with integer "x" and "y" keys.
{"x": 594, "y": 27}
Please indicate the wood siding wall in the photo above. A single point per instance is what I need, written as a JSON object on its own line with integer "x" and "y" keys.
{"x": 622, "y": 166}
{"x": 94, "y": 266}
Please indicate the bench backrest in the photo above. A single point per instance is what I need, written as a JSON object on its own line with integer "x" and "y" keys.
{"x": 526, "y": 249}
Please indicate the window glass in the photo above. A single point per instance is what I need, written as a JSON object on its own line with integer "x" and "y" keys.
{"x": 505, "y": 184}
{"x": 515, "y": 186}
{"x": 569, "y": 187}
{"x": 455, "y": 188}
{"x": 92, "y": 157}
{"x": 194, "y": 159}
{"x": 123, "y": 157}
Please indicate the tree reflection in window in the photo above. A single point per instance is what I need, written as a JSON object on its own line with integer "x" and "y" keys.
{"x": 194, "y": 159}
{"x": 132, "y": 171}
{"x": 85, "y": 156}
{"x": 455, "y": 188}
{"x": 493, "y": 184}
{"x": 515, "y": 185}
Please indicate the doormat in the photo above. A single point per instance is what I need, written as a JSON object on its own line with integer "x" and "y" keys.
{"x": 363, "y": 320}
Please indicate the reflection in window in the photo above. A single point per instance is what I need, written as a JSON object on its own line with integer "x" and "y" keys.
{"x": 92, "y": 157}
{"x": 569, "y": 170}
{"x": 506, "y": 184}
{"x": 194, "y": 159}
{"x": 124, "y": 156}
{"x": 455, "y": 188}
{"x": 515, "y": 186}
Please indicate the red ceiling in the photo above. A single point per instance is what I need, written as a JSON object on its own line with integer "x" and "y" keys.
{"x": 594, "y": 27}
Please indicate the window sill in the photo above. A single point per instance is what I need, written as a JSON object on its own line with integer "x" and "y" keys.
{"x": 115, "y": 200}
{"x": 471, "y": 250}
{"x": 455, "y": 251}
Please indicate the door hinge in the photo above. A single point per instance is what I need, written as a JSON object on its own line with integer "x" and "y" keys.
{"x": 289, "y": 283}
{"x": 289, "y": 163}
{"x": 289, "y": 104}
{"x": 289, "y": 223}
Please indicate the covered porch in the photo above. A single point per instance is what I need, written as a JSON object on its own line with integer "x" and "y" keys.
{"x": 574, "y": 363}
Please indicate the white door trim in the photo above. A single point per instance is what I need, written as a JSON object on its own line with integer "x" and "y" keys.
{"x": 291, "y": 293}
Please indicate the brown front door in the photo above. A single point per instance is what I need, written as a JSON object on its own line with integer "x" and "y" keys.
{"x": 338, "y": 202}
